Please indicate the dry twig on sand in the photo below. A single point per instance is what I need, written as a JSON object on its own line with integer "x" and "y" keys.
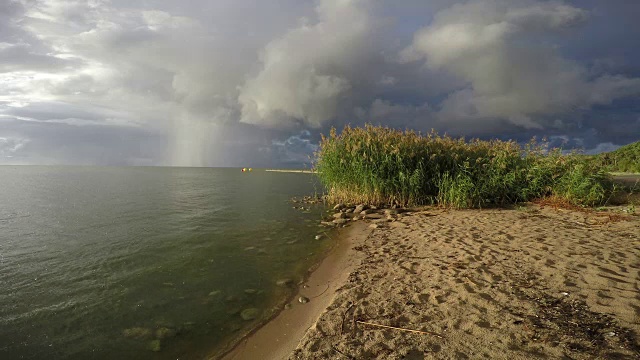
{"x": 397, "y": 328}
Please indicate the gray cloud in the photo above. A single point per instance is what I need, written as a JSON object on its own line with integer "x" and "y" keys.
{"x": 252, "y": 83}
{"x": 493, "y": 46}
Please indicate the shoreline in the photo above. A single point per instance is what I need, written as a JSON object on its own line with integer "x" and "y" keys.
{"x": 278, "y": 336}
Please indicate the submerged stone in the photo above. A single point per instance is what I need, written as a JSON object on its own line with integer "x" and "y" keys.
{"x": 137, "y": 333}
{"x": 155, "y": 345}
{"x": 164, "y": 332}
{"x": 249, "y": 314}
{"x": 284, "y": 282}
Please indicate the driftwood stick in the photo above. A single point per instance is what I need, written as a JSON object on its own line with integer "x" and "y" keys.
{"x": 397, "y": 328}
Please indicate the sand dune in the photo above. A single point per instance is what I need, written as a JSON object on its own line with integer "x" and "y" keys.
{"x": 494, "y": 284}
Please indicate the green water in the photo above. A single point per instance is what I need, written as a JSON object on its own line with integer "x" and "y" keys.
{"x": 171, "y": 254}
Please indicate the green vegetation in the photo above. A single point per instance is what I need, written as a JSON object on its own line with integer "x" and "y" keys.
{"x": 378, "y": 165}
{"x": 626, "y": 159}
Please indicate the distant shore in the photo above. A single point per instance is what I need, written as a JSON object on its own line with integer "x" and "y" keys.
{"x": 292, "y": 171}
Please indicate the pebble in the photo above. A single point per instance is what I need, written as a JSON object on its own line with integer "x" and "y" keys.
{"x": 303, "y": 300}
{"x": 318, "y": 237}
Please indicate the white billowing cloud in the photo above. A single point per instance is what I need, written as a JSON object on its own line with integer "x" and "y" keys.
{"x": 494, "y": 46}
{"x": 306, "y": 72}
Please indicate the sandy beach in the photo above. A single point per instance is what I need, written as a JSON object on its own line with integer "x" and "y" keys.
{"x": 532, "y": 282}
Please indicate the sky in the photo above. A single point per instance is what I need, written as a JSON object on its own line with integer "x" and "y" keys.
{"x": 255, "y": 83}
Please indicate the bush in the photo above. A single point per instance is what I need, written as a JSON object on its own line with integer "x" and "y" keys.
{"x": 381, "y": 166}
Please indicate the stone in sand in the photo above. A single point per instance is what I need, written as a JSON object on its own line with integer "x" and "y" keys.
{"x": 303, "y": 300}
{"x": 249, "y": 314}
{"x": 360, "y": 208}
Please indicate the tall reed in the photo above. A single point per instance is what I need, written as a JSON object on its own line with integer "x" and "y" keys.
{"x": 379, "y": 165}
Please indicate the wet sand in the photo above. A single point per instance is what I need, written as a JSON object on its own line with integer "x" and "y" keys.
{"x": 496, "y": 284}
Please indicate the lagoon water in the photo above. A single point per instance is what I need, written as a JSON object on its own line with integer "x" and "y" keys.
{"x": 145, "y": 263}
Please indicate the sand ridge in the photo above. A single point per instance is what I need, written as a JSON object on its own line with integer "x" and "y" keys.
{"x": 496, "y": 284}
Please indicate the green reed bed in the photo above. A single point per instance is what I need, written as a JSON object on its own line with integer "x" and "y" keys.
{"x": 377, "y": 165}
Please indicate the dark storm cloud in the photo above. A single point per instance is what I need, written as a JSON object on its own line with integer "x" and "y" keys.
{"x": 253, "y": 83}
{"x": 59, "y": 143}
